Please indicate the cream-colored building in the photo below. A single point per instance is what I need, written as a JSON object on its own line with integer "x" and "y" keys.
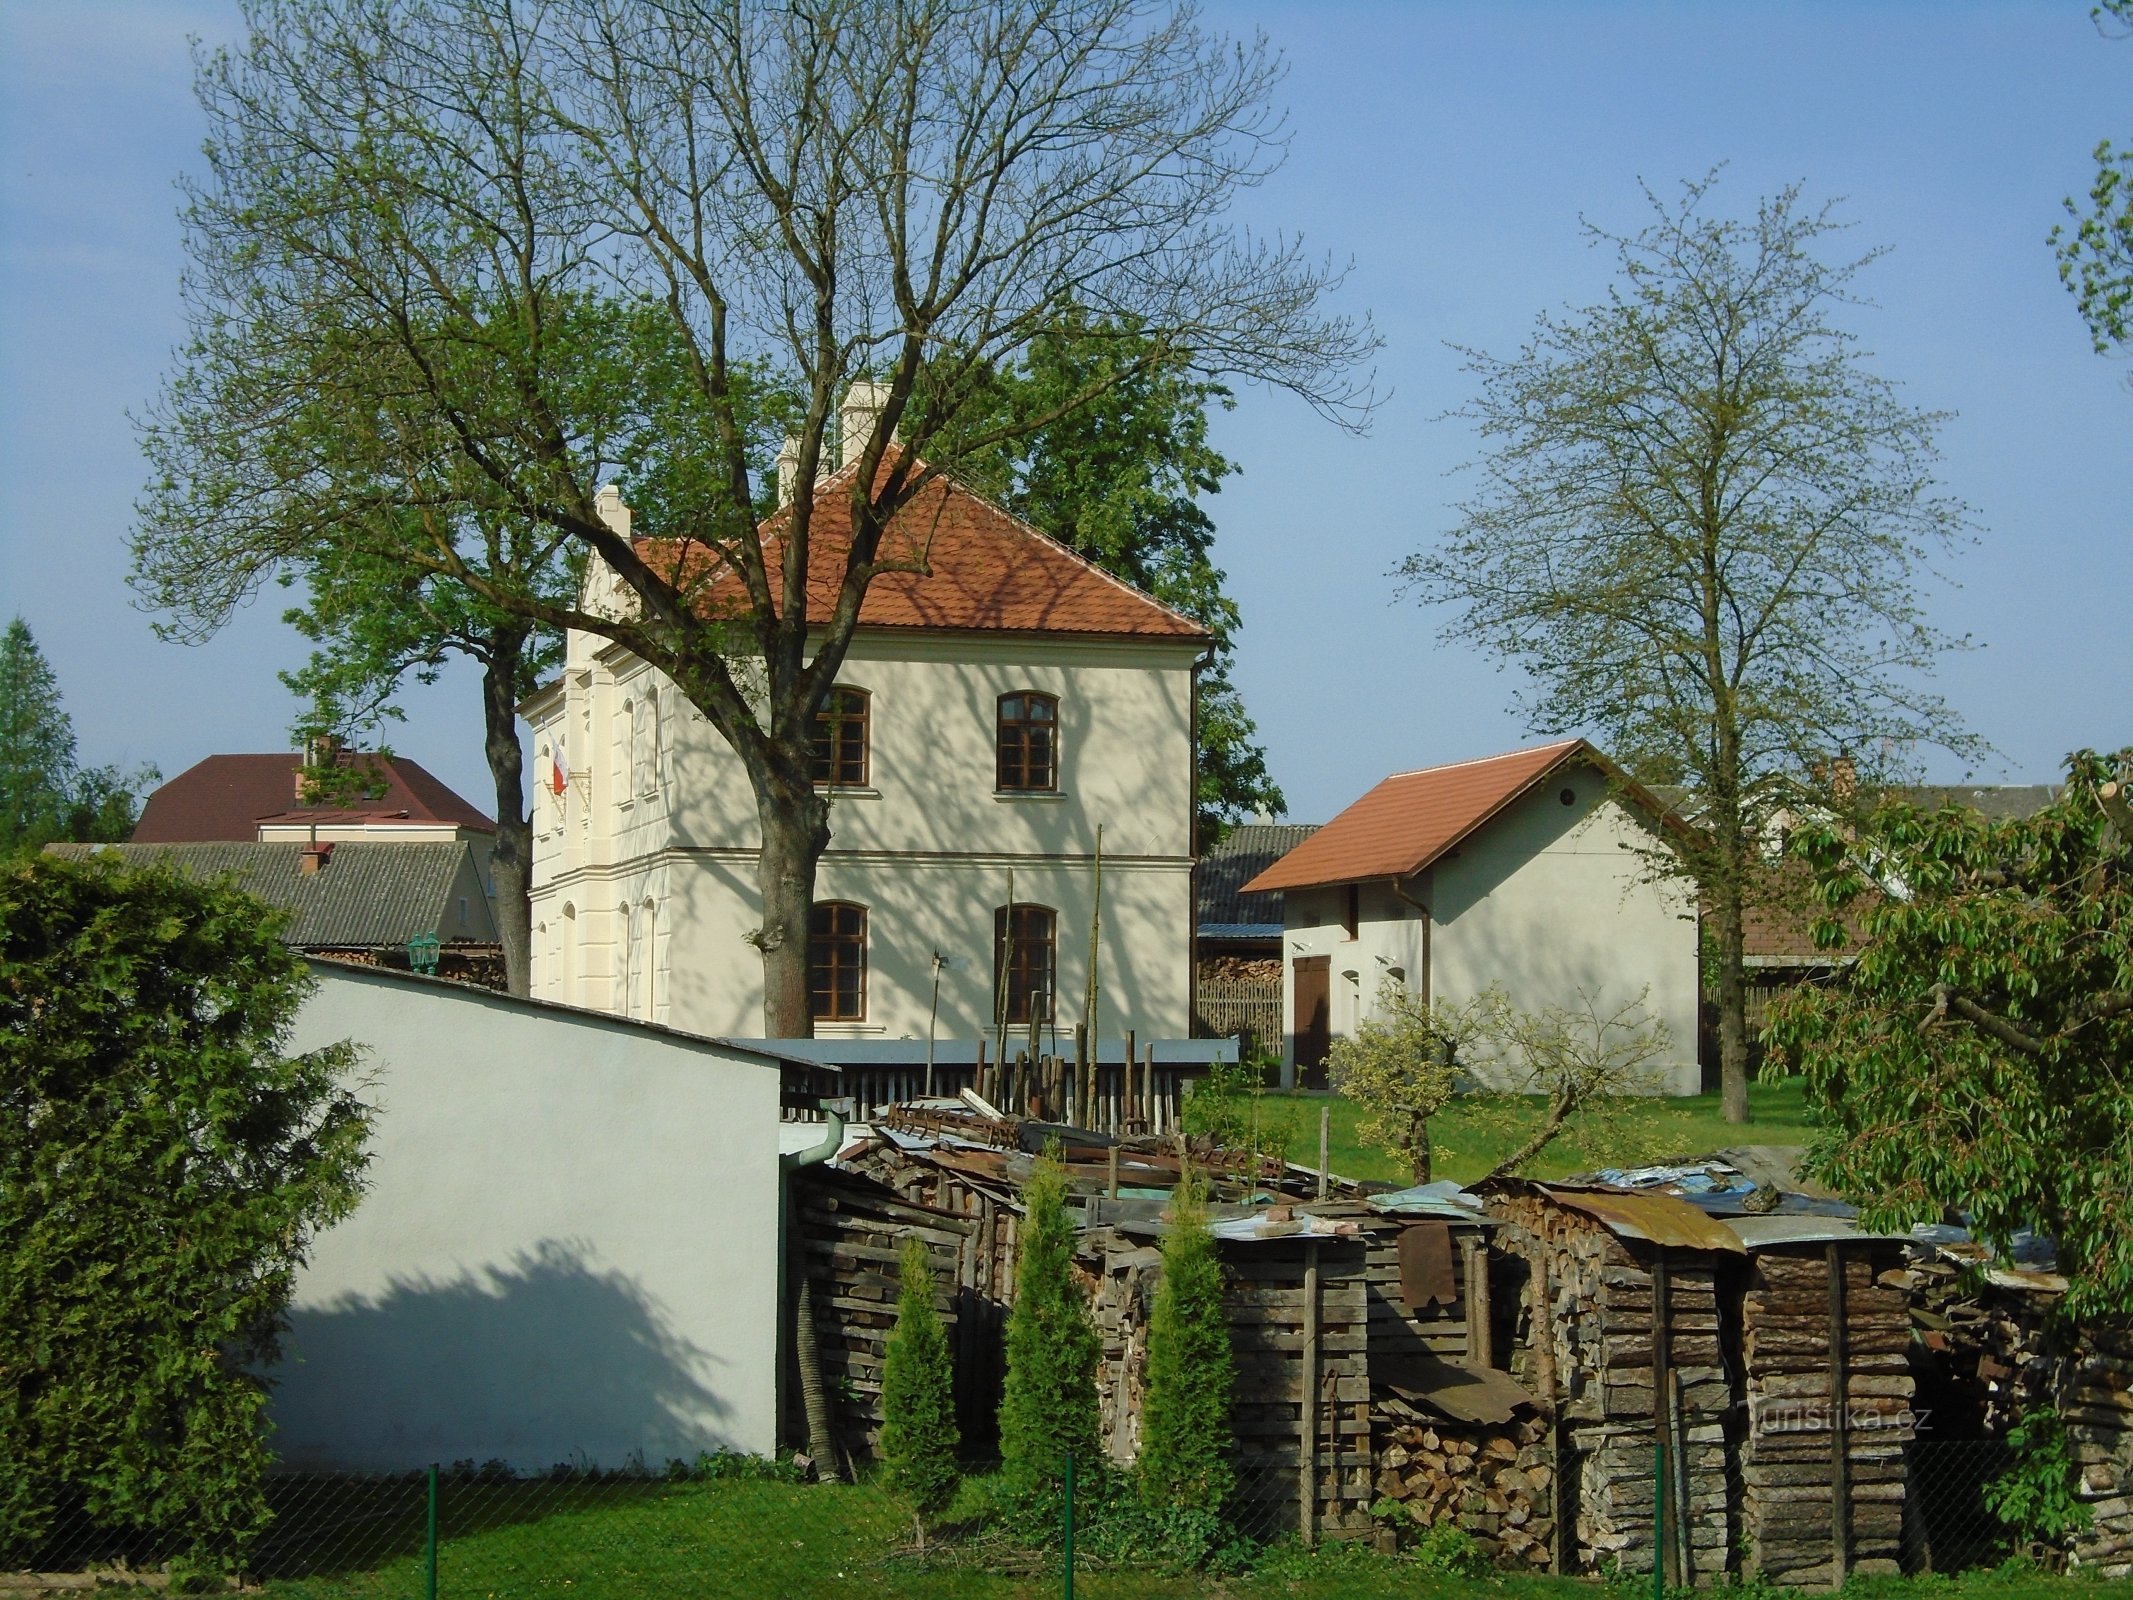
{"x": 993, "y": 713}
{"x": 1529, "y": 870}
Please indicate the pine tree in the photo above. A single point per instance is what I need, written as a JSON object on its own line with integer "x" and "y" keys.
{"x": 1048, "y": 1408}
{"x": 919, "y": 1438}
{"x": 36, "y": 744}
{"x": 1186, "y": 1440}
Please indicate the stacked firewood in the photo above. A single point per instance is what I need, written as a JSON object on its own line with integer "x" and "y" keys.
{"x": 2096, "y": 1399}
{"x": 1589, "y": 1351}
{"x": 1829, "y": 1392}
{"x": 1496, "y": 1482}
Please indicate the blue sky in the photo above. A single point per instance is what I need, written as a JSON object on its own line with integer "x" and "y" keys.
{"x": 1448, "y": 151}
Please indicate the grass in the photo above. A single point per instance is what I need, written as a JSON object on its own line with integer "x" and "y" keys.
{"x": 1476, "y": 1131}
{"x": 768, "y": 1541}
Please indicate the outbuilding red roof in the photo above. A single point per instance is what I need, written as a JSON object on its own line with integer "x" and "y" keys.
{"x": 1412, "y": 818}
{"x": 226, "y": 797}
{"x": 985, "y": 570}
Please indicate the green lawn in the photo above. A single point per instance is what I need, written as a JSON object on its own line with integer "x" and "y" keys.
{"x": 768, "y": 1541}
{"x": 1477, "y": 1131}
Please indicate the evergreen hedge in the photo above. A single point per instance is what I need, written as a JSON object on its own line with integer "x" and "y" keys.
{"x": 1186, "y": 1437}
{"x": 1048, "y": 1408}
{"x": 919, "y": 1438}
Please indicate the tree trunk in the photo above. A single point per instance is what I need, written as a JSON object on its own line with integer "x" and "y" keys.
{"x": 511, "y": 859}
{"x": 795, "y": 824}
{"x": 1731, "y": 953}
{"x": 1418, "y": 1127}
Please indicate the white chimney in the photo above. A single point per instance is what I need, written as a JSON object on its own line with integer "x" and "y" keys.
{"x": 862, "y": 408}
{"x": 608, "y": 502}
{"x": 788, "y": 468}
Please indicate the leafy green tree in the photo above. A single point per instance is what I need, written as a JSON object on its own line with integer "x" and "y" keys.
{"x": 919, "y": 1437}
{"x": 426, "y": 229}
{"x": 163, "y": 1167}
{"x": 1402, "y": 1063}
{"x": 1048, "y": 1406}
{"x": 1701, "y": 532}
{"x": 1186, "y": 1439}
{"x": 2096, "y": 252}
{"x": 45, "y": 794}
{"x": 1974, "y": 1054}
{"x": 1120, "y": 480}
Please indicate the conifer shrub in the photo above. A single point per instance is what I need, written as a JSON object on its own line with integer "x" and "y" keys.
{"x": 1048, "y": 1406}
{"x": 1186, "y": 1438}
{"x": 919, "y": 1438}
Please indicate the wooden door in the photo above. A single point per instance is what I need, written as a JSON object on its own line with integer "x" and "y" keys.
{"x": 1314, "y": 1021}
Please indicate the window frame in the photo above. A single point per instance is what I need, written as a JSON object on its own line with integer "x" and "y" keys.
{"x": 1004, "y": 993}
{"x": 820, "y": 943}
{"x": 821, "y": 756}
{"x": 1021, "y": 727}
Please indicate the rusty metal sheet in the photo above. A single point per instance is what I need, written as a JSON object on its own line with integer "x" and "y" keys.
{"x": 1452, "y": 1388}
{"x": 1660, "y": 1219}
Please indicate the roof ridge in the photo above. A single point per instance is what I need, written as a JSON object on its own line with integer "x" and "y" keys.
{"x": 1475, "y": 761}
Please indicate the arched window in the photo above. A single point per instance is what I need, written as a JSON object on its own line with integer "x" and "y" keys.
{"x": 566, "y": 966}
{"x": 839, "y": 756}
{"x": 1029, "y": 741}
{"x": 544, "y": 797}
{"x": 837, "y": 962}
{"x": 625, "y": 961}
{"x": 1025, "y": 950}
{"x": 632, "y": 730}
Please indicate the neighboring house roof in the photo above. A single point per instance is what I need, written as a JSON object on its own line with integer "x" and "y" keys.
{"x": 1412, "y": 818}
{"x": 365, "y": 896}
{"x": 226, "y": 797}
{"x": 986, "y": 570}
{"x": 1223, "y": 909}
{"x": 2000, "y": 802}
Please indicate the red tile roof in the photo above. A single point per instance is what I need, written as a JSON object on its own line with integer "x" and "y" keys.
{"x": 225, "y": 797}
{"x": 986, "y": 570}
{"x": 1412, "y": 818}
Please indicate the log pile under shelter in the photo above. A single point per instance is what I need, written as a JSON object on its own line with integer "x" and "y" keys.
{"x": 1825, "y": 1348}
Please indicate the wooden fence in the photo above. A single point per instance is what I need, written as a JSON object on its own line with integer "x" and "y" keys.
{"x": 1248, "y": 1009}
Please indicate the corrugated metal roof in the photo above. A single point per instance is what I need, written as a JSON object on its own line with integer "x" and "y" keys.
{"x": 367, "y": 896}
{"x": 1760, "y": 1233}
{"x": 1660, "y": 1219}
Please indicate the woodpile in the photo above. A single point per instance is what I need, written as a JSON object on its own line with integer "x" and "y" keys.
{"x": 1825, "y": 1339}
{"x": 1621, "y": 1345}
{"x": 1497, "y": 1482}
{"x": 852, "y": 1231}
{"x": 2095, "y": 1392}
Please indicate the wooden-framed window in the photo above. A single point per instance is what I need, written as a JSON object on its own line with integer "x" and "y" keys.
{"x": 837, "y": 962}
{"x": 839, "y": 754}
{"x": 1029, "y": 741}
{"x": 1025, "y": 960}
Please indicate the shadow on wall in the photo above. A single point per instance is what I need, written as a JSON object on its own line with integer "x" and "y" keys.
{"x": 550, "y": 1360}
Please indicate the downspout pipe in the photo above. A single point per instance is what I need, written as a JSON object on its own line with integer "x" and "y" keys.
{"x": 794, "y": 1291}
{"x": 1399, "y": 889}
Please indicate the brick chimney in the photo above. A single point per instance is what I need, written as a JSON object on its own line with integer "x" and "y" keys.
{"x": 315, "y": 855}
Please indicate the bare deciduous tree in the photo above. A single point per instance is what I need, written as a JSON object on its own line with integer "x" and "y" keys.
{"x": 1701, "y": 530}
{"x": 459, "y": 263}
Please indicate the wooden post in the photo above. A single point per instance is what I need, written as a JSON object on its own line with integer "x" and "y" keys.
{"x": 1840, "y": 1465}
{"x": 1111, "y": 1155}
{"x": 979, "y": 1074}
{"x": 1148, "y": 1107}
{"x": 1325, "y": 1146}
{"x": 1307, "y": 1456}
{"x": 1129, "y": 1064}
{"x": 1474, "y": 1264}
{"x": 1662, "y": 1550}
{"x": 1084, "y": 1107}
{"x": 1125, "y": 1092}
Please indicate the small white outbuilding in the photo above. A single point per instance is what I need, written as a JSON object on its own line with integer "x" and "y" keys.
{"x": 1532, "y": 870}
{"x": 569, "y": 1247}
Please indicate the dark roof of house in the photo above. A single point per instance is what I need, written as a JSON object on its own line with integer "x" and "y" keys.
{"x": 366, "y": 896}
{"x": 2000, "y": 802}
{"x": 958, "y": 561}
{"x": 224, "y": 797}
{"x": 1224, "y": 910}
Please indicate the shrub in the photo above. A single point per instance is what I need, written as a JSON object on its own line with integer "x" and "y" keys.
{"x": 919, "y": 1438}
{"x": 1048, "y": 1405}
{"x": 163, "y": 1167}
{"x": 1186, "y": 1440}
{"x": 2034, "y": 1498}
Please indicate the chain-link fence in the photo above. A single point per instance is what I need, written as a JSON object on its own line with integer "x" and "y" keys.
{"x": 743, "y": 1527}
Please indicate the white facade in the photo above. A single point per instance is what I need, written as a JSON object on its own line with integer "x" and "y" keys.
{"x": 568, "y": 1249}
{"x": 1551, "y": 900}
{"x": 644, "y": 868}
